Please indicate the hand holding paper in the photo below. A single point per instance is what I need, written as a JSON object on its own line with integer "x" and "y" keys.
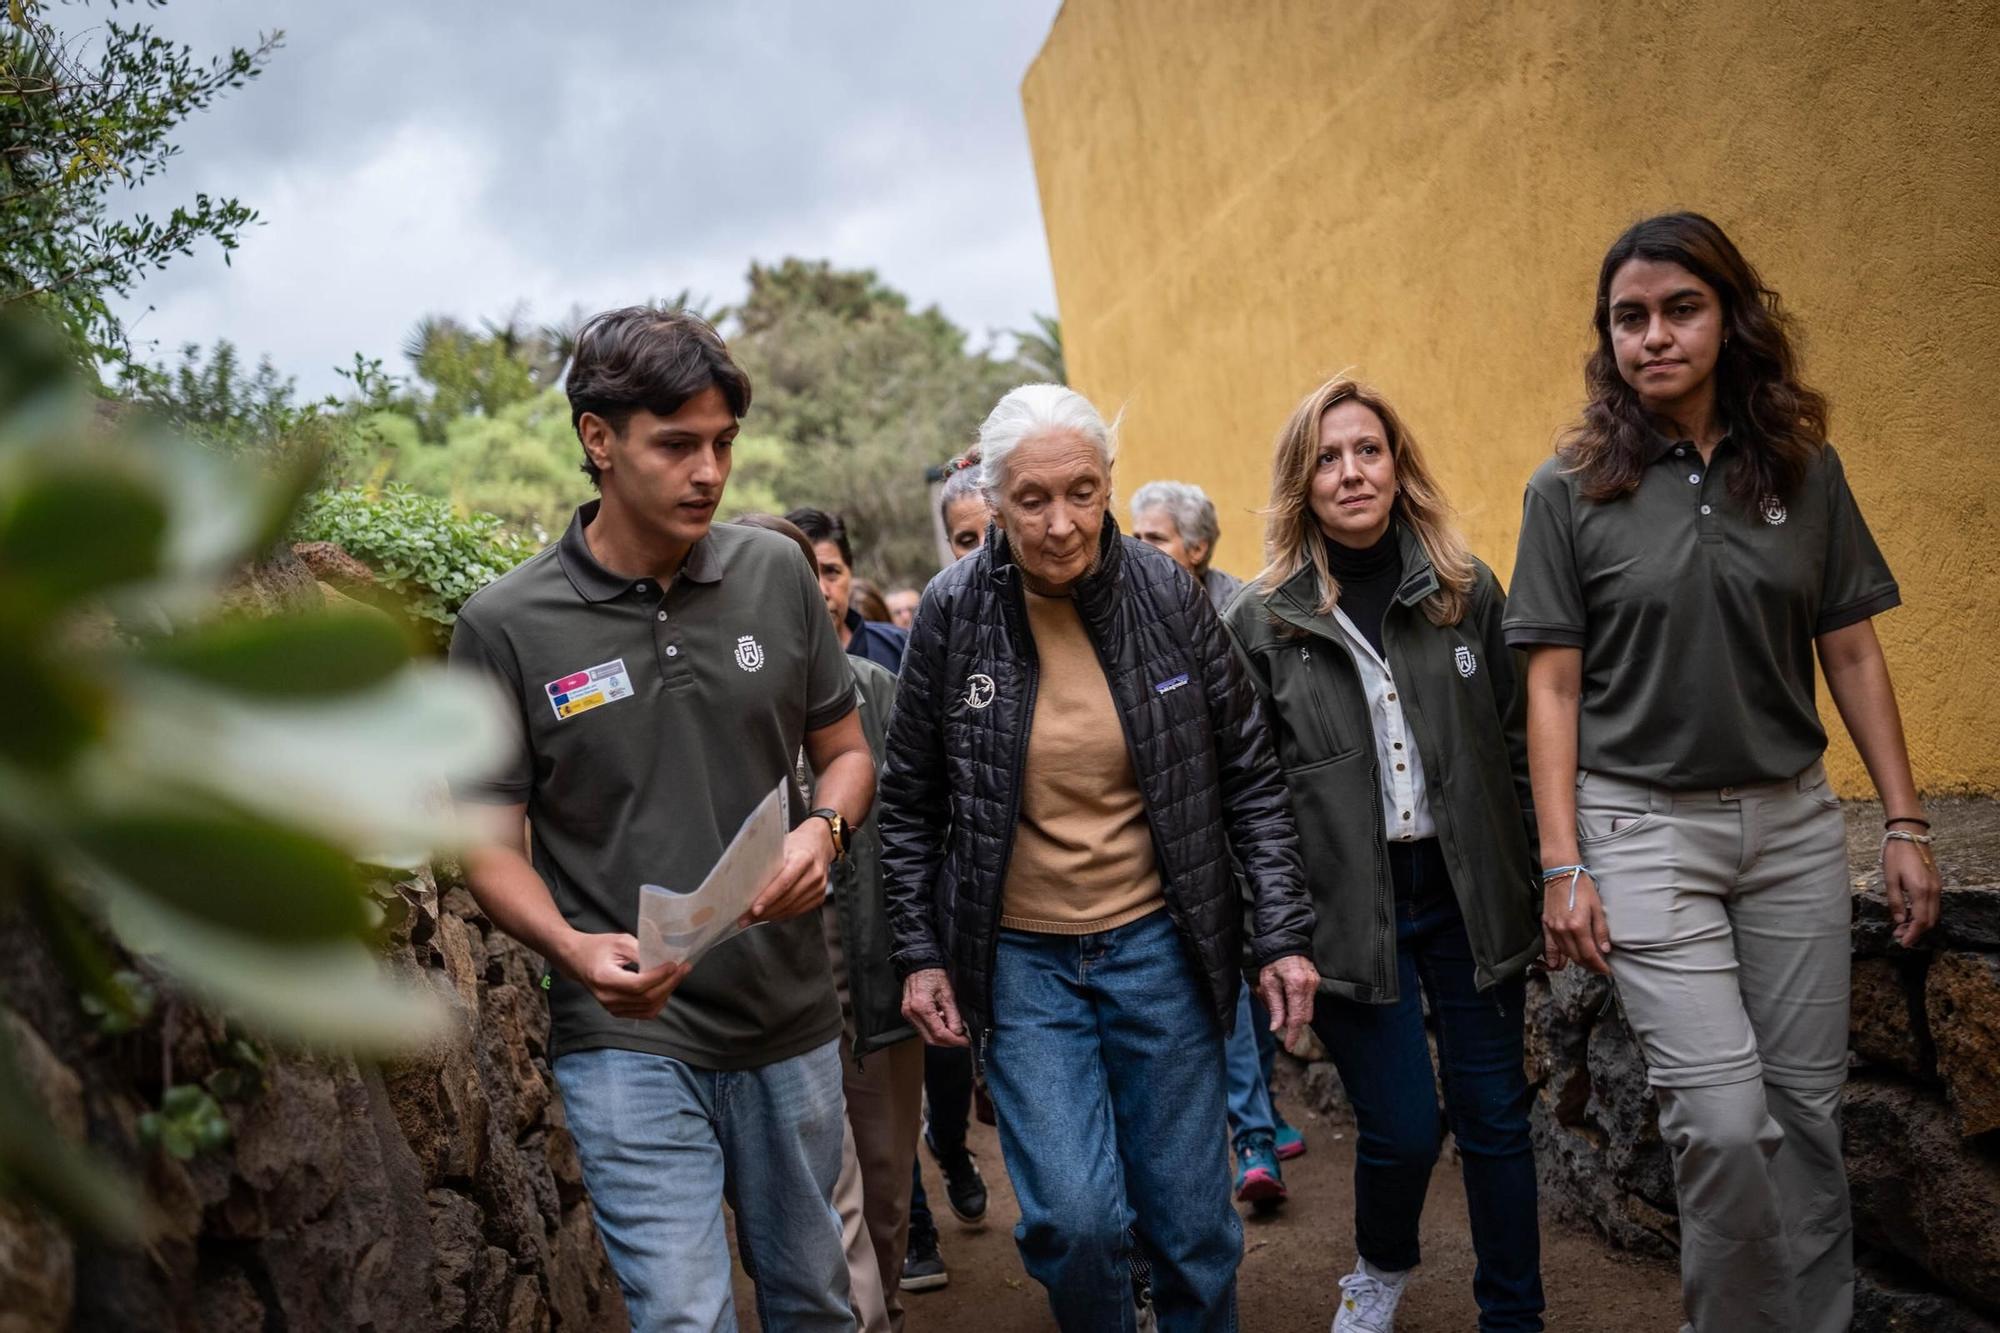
{"x": 681, "y": 927}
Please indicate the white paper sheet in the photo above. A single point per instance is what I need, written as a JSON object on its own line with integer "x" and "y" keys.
{"x": 679, "y": 927}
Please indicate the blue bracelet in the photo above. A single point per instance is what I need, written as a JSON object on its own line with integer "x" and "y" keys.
{"x": 1560, "y": 871}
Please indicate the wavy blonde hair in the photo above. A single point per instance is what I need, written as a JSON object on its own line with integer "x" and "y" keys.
{"x": 1292, "y": 535}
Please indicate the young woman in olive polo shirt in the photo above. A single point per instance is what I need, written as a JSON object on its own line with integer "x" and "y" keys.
{"x": 1373, "y": 639}
{"x": 1682, "y": 557}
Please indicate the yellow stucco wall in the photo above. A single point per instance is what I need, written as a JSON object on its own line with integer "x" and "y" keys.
{"x": 1243, "y": 198}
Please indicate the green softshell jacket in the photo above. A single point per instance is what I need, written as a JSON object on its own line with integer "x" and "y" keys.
{"x": 874, "y": 989}
{"x": 1463, "y": 693}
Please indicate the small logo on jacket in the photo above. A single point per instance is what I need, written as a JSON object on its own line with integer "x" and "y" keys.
{"x": 979, "y": 691}
{"x": 1467, "y": 663}
{"x": 1169, "y": 686}
{"x": 1774, "y": 510}
{"x": 749, "y": 654}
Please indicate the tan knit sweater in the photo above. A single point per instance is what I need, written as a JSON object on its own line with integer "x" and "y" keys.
{"x": 1083, "y": 852}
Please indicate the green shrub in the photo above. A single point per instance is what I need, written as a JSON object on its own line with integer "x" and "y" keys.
{"x": 420, "y": 547}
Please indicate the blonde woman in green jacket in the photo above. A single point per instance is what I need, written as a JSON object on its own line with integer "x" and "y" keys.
{"x": 1373, "y": 639}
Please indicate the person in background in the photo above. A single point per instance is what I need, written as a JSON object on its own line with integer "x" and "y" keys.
{"x": 903, "y": 606}
{"x": 1180, "y": 519}
{"x": 1373, "y": 637}
{"x": 950, "y": 1083}
{"x": 875, "y": 640}
{"x": 962, "y": 505}
{"x": 1076, "y": 767}
{"x": 1685, "y": 555}
{"x": 869, "y": 601}
{"x": 883, "y": 1071}
{"x": 667, "y": 675}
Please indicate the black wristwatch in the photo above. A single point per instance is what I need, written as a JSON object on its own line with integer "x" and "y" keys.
{"x": 837, "y": 824}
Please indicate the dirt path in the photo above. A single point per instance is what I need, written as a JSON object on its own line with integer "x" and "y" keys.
{"x": 1292, "y": 1262}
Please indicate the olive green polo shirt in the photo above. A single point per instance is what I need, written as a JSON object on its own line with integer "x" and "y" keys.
{"x": 1696, "y": 613}
{"x": 653, "y": 720}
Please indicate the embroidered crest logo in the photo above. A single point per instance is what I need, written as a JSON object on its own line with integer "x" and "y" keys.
{"x": 749, "y": 654}
{"x": 1774, "y": 510}
{"x": 979, "y": 691}
{"x": 1467, "y": 663}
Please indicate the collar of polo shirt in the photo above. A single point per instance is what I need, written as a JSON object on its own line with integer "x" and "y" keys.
{"x": 1659, "y": 444}
{"x": 594, "y": 583}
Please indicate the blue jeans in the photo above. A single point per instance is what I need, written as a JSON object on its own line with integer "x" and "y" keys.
{"x": 1247, "y": 1055}
{"x": 1385, "y": 1065}
{"x": 1105, "y": 1066}
{"x": 663, "y": 1144}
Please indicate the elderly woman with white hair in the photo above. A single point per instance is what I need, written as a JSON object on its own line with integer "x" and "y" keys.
{"x": 1180, "y": 519}
{"x": 1074, "y": 758}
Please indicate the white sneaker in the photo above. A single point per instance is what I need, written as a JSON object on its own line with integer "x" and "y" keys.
{"x": 1368, "y": 1298}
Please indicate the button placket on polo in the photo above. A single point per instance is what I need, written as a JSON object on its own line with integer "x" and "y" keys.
{"x": 668, "y": 646}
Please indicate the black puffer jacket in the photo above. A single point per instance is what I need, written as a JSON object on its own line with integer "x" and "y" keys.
{"x": 949, "y": 797}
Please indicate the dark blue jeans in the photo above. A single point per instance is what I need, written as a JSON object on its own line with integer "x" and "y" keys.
{"x": 1385, "y": 1065}
{"x": 1105, "y": 1065}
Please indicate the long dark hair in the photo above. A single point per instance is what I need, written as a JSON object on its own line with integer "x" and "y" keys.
{"x": 1777, "y": 422}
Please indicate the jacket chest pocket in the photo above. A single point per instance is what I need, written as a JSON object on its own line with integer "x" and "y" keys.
{"x": 1313, "y": 714}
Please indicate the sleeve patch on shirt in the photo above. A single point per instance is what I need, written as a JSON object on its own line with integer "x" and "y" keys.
{"x": 581, "y": 691}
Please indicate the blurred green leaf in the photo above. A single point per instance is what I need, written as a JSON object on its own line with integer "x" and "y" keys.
{"x": 65, "y": 535}
{"x": 46, "y": 715}
{"x": 239, "y": 874}
{"x": 294, "y": 655}
{"x": 334, "y": 994}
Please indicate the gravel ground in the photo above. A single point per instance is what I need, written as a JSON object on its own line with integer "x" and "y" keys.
{"x": 1293, "y": 1261}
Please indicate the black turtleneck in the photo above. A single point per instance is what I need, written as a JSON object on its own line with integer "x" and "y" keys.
{"x": 1368, "y": 577}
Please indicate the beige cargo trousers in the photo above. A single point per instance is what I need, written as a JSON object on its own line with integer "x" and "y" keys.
{"x": 1729, "y": 915}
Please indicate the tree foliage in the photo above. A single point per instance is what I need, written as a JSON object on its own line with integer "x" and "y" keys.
{"x": 1040, "y": 350}
{"x": 83, "y": 118}
{"x": 421, "y": 548}
{"x": 865, "y": 393}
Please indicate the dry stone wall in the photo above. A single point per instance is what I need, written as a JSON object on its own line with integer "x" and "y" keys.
{"x": 442, "y": 1192}
{"x": 1922, "y": 1107}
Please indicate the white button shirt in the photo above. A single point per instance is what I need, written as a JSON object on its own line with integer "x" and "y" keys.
{"x": 1406, "y": 806}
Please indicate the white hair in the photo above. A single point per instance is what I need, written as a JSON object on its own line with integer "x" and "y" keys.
{"x": 1034, "y": 410}
{"x": 1188, "y": 505}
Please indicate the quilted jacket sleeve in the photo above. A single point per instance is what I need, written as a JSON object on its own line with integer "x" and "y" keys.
{"x": 914, "y": 803}
{"x": 1256, "y": 810}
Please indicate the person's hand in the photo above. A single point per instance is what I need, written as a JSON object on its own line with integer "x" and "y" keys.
{"x": 932, "y": 1009}
{"x": 1579, "y": 932}
{"x": 1910, "y": 879}
{"x": 1287, "y": 987}
{"x": 800, "y": 884}
{"x": 606, "y": 966}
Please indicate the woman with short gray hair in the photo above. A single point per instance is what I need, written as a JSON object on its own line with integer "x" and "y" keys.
{"x": 1074, "y": 759}
{"x": 1179, "y": 518}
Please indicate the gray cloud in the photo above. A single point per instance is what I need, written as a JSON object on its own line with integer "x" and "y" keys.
{"x": 460, "y": 157}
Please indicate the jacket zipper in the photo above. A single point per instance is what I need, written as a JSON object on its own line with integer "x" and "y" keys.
{"x": 1152, "y": 824}
{"x": 1034, "y": 662}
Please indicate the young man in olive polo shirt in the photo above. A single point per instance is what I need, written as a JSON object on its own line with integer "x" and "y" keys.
{"x": 666, "y": 673}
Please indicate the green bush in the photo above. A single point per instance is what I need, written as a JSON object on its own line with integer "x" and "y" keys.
{"x": 420, "y": 547}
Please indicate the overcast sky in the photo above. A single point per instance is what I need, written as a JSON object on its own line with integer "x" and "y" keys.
{"x": 459, "y": 158}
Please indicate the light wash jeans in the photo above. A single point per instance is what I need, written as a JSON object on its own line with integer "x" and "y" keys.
{"x": 1105, "y": 1065}
{"x": 1248, "y": 1070}
{"x": 663, "y": 1144}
